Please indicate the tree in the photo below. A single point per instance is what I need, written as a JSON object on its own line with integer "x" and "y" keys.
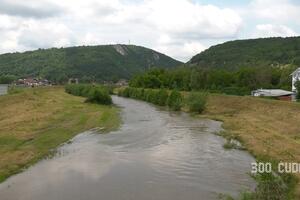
{"x": 7, "y": 79}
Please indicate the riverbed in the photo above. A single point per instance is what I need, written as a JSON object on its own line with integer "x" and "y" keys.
{"x": 155, "y": 155}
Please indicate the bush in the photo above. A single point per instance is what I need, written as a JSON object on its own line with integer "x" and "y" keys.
{"x": 94, "y": 93}
{"x": 100, "y": 96}
{"x": 197, "y": 101}
{"x": 175, "y": 100}
{"x": 162, "y": 97}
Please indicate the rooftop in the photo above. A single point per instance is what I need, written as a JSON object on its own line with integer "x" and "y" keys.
{"x": 273, "y": 92}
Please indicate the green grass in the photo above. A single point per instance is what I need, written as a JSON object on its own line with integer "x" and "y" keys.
{"x": 268, "y": 129}
{"x": 35, "y": 121}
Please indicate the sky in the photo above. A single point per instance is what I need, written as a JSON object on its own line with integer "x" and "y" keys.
{"x": 178, "y": 28}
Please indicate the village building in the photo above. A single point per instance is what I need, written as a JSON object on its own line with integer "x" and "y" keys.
{"x": 73, "y": 81}
{"x": 274, "y": 93}
{"x": 295, "y": 77}
{"x": 122, "y": 82}
{"x": 278, "y": 93}
{"x": 32, "y": 82}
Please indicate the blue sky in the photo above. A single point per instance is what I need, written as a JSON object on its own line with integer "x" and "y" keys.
{"x": 179, "y": 28}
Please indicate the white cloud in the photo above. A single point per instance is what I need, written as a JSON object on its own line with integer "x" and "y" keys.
{"x": 176, "y": 25}
{"x": 182, "y": 51}
{"x": 269, "y": 30}
{"x": 29, "y": 8}
{"x": 276, "y": 10}
{"x": 37, "y": 34}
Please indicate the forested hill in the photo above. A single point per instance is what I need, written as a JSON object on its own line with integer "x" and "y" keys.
{"x": 106, "y": 62}
{"x": 250, "y": 53}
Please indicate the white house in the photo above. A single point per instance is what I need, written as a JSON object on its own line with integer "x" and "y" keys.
{"x": 295, "y": 77}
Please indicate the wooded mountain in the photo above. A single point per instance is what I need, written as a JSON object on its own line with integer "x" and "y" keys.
{"x": 250, "y": 53}
{"x": 105, "y": 62}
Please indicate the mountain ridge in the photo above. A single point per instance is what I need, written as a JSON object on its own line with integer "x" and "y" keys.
{"x": 260, "y": 52}
{"x": 94, "y": 63}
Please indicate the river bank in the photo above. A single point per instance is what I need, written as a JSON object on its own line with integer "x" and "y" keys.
{"x": 36, "y": 121}
{"x": 269, "y": 129}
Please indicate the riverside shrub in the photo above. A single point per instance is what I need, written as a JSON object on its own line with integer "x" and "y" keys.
{"x": 93, "y": 93}
{"x": 196, "y": 101}
{"x": 162, "y": 97}
{"x": 175, "y": 100}
{"x": 158, "y": 97}
{"x": 100, "y": 96}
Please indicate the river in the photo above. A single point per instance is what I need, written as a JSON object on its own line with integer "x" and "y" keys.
{"x": 155, "y": 155}
{"x": 3, "y": 89}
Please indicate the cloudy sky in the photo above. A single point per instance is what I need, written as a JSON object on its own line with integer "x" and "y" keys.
{"x": 179, "y": 28}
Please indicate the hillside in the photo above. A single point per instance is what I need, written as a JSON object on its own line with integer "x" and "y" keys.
{"x": 250, "y": 53}
{"x": 106, "y": 62}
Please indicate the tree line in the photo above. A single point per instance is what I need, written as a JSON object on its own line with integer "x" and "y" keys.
{"x": 174, "y": 100}
{"x": 237, "y": 82}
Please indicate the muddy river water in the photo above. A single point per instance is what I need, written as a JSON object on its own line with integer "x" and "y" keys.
{"x": 155, "y": 155}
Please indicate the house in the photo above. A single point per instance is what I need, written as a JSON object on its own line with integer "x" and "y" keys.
{"x": 32, "y": 82}
{"x": 274, "y": 93}
{"x": 73, "y": 81}
{"x": 295, "y": 77}
{"x": 122, "y": 82}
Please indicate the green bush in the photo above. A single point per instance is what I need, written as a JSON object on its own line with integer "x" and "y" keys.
{"x": 94, "y": 93}
{"x": 100, "y": 96}
{"x": 175, "y": 100}
{"x": 162, "y": 97}
{"x": 196, "y": 101}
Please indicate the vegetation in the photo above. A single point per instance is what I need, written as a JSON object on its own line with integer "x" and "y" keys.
{"x": 196, "y": 102}
{"x": 263, "y": 52}
{"x": 162, "y": 97}
{"x": 239, "y": 82}
{"x": 270, "y": 133}
{"x": 88, "y": 63}
{"x": 7, "y": 79}
{"x": 95, "y": 94}
{"x": 175, "y": 100}
{"x": 159, "y": 97}
{"x": 35, "y": 121}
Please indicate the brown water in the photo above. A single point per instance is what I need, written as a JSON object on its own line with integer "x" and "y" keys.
{"x": 156, "y": 155}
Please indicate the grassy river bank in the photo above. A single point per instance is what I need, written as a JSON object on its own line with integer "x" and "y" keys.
{"x": 268, "y": 129}
{"x": 35, "y": 121}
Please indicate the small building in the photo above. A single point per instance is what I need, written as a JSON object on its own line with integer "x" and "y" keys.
{"x": 274, "y": 93}
{"x": 295, "y": 77}
{"x": 122, "y": 82}
{"x": 32, "y": 82}
{"x": 73, "y": 81}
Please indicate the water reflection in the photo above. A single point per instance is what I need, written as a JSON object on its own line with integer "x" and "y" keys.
{"x": 155, "y": 155}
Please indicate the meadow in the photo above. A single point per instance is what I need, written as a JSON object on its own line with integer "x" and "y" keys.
{"x": 35, "y": 121}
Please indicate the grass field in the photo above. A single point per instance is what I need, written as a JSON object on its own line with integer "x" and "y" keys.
{"x": 35, "y": 121}
{"x": 269, "y": 129}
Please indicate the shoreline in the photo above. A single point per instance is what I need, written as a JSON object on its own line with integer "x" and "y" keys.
{"x": 36, "y": 121}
